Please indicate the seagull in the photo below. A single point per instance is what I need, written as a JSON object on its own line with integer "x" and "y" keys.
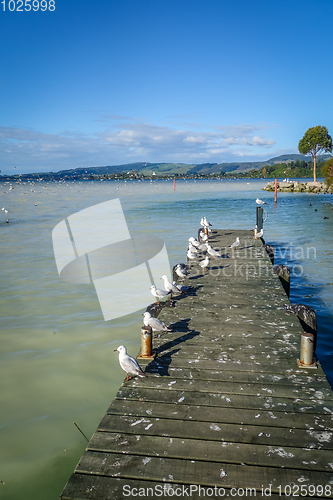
{"x": 129, "y": 364}
{"x": 194, "y": 242}
{"x": 169, "y": 287}
{"x": 204, "y": 263}
{"x": 206, "y": 223}
{"x": 191, "y": 255}
{"x": 260, "y": 234}
{"x": 155, "y": 324}
{"x": 192, "y": 248}
{"x": 158, "y": 293}
{"x": 203, "y": 236}
{"x": 260, "y": 202}
{"x": 181, "y": 271}
{"x": 211, "y": 251}
{"x": 199, "y": 246}
{"x": 182, "y": 288}
{"x": 236, "y": 244}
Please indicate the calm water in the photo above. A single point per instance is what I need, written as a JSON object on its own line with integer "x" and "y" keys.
{"x": 57, "y": 361}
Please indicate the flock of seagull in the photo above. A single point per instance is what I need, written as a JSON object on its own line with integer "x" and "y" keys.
{"x": 196, "y": 249}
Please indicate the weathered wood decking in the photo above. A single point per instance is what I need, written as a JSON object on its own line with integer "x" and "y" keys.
{"x": 224, "y": 405}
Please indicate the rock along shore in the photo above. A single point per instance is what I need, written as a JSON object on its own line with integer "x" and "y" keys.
{"x": 299, "y": 187}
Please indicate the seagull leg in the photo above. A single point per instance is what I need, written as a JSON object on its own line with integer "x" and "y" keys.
{"x": 129, "y": 377}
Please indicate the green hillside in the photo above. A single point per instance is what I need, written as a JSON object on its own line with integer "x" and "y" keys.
{"x": 292, "y": 165}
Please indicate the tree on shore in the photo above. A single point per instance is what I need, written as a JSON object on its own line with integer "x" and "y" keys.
{"x": 327, "y": 171}
{"x": 316, "y": 140}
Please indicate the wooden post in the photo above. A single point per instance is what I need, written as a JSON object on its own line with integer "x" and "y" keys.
{"x": 275, "y": 198}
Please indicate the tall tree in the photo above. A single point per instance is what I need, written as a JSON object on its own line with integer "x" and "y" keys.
{"x": 316, "y": 140}
{"x": 327, "y": 171}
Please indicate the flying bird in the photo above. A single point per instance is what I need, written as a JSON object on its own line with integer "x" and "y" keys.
{"x": 155, "y": 324}
{"x": 129, "y": 364}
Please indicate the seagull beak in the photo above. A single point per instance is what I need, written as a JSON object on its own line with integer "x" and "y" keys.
{"x": 115, "y": 350}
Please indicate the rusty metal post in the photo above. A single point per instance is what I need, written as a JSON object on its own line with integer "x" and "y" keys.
{"x": 146, "y": 343}
{"x": 275, "y": 194}
{"x": 306, "y": 355}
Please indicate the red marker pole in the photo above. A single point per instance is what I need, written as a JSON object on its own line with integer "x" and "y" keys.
{"x": 275, "y": 199}
{"x": 174, "y": 184}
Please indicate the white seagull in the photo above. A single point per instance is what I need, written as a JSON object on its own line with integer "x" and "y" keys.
{"x": 203, "y": 236}
{"x": 129, "y": 364}
{"x": 259, "y": 235}
{"x": 206, "y": 223}
{"x": 204, "y": 263}
{"x": 236, "y": 244}
{"x": 182, "y": 288}
{"x": 158, "y": 293}
{"x": 155, "y": 324}
{"x": 191, "y": 255}
{"x": 200, "y": 246}
{"x": 169, "y": 287}
{"x": 260, "y": 202}
{"x": 181, "y": 271}
{"x": 194, "y": 241}
{"x": 211, "y": 251}
{"x": 192, "y": 248}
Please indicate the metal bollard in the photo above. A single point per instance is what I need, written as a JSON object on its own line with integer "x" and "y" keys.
{"x": 306, "y": 355}
{"x": 146, "y": 343}
{"x": 259, "y": 220}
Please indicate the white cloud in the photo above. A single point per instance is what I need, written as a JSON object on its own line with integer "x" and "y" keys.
{"x": 196, "y": 140}
{"x": 128, "y": 142}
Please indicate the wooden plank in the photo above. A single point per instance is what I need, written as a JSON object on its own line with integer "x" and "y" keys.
{"x": 231, "y": 387}
{"x": 220, "y": 400}
{"x": 87, "y": 487}
{"x": 195, "y": 449}
{"x": 218, "y": 431}
{"x": 194, "y": 373}
{"x": 218, "y": 414}
{"x": 197, "y": 471}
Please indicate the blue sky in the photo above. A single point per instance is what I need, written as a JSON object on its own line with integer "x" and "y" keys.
{"x": 119, "y": 81}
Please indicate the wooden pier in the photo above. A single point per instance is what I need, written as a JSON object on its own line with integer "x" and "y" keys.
{"x": 225, "y": 410}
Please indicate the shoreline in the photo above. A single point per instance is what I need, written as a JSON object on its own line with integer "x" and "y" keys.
{"x": 299, "y": 187}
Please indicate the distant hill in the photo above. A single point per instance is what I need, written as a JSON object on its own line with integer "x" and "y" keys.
{"x": 173, "y": 169}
